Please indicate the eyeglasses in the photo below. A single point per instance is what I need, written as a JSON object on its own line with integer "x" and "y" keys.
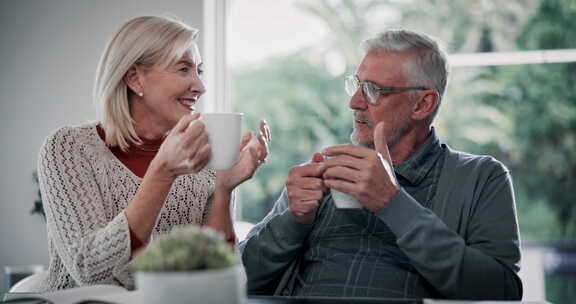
{"x": 371, "y": 91}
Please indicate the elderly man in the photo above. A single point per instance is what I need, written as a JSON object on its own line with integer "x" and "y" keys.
{"x": 434, "y": 222}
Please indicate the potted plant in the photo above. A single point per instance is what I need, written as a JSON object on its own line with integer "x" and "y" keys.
{"x": 189, "y": 264}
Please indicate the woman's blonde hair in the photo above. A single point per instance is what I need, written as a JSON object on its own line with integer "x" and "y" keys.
{"x": 144, "y": 41}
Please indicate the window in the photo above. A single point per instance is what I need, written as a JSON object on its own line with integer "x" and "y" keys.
{"x": 288, "y": 60}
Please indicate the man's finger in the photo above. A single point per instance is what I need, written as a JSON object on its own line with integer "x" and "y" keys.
{"x": 310, "y": 195}
{"x": 306, "y": 206}
{"x": 344, "y": 161}
{"x": 348, "y": 149}
{"x": 308, "y": 170}
{"x": 341, "y": 185}
{"x": 381, "y": 144}
{"x": 317, "y": 158}
{"x": 308, "y": 183}
{"x": 381, "y": 140}
{"x": 342, "y": 173}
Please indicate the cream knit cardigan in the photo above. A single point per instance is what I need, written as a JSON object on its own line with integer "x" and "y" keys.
{"x": 85, "y": 190}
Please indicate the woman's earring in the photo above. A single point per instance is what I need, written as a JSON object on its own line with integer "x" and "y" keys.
{"x": 141, "y": 94}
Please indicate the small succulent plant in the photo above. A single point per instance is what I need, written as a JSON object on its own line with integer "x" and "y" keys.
{"x": 186, "y": 248}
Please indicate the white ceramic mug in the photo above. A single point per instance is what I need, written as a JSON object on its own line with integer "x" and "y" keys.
{"x": 224, "y": 133}
{"x": 343, "y": 200}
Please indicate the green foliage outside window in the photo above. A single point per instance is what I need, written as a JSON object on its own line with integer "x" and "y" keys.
{"x": 524, "y": 115}
{"x": 304, "y": 107}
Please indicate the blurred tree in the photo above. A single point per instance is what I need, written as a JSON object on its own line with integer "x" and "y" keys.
{"x": 306, "y": 109}
{"x": 500, "y": 123}
{"x": 523, "y": 115}
{"x": 348, "y": 22}
{"x": 540, "y": 102}
{"x": 469, "y": 25}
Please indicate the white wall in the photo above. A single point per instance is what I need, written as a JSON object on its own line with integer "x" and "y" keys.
{"x": 48, "y": 55}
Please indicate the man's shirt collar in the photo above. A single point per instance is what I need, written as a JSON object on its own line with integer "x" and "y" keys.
{"x": 416, "y": 167}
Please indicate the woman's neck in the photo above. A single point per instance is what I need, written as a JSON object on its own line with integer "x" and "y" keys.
{"x": 147, "y": 127}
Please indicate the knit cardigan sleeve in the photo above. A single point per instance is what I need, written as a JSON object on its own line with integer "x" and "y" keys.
{"x": 94, "y": 246}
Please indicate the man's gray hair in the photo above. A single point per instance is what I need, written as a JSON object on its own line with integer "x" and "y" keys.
{"x": 427, "y": 68}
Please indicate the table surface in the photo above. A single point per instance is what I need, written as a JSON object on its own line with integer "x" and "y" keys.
{"x": 321, "y": 300}
{"x": 275, "y": 300}
{"x": 292, "y": 300}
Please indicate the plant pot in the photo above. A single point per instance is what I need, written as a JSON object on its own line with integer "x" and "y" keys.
{"x": 204, "y": 286}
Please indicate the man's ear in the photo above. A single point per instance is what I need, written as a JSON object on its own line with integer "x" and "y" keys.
{"x": 425, "y": 105}
{"x": 133, "y": 80}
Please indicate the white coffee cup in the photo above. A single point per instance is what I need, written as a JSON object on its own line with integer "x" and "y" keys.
{"x": 343, "y": 200}
{"x": 224, "y": 133}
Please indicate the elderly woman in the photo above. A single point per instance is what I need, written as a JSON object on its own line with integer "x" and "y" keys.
{"x": 109, "y": 186}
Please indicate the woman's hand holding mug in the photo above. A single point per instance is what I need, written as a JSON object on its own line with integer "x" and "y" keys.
{"x": 185, "y": 149}
{"x": 253, "y": 154}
